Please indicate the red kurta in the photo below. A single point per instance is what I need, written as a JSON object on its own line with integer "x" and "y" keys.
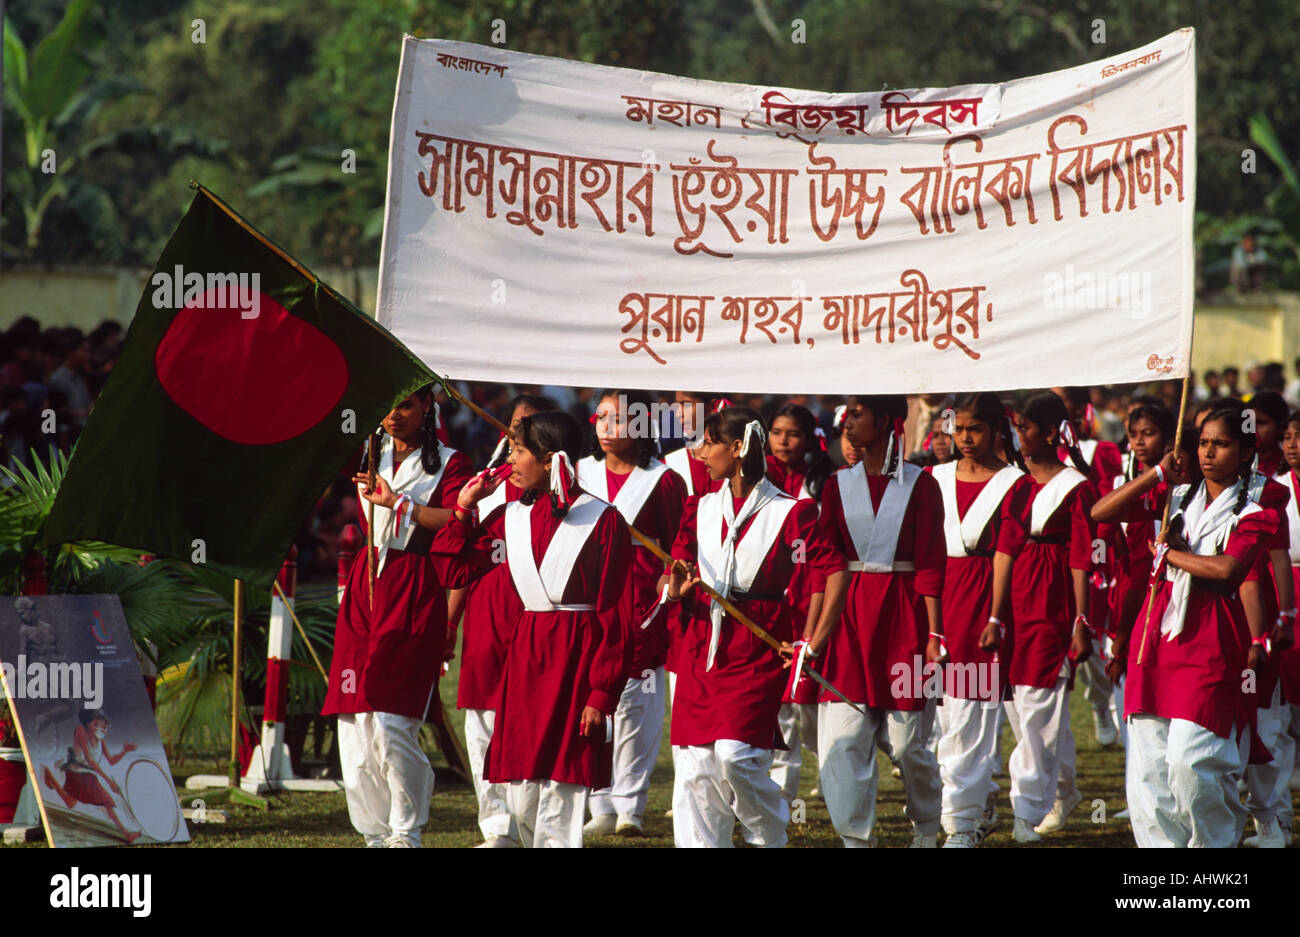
{"x": 1197, "y": 675}
{"x": 389, "y": 659}
{"x": 491, "y": 608}
{"x": 1042, "y": 588}
{"x": 885, "y": 622}
{"x": 1274, "y": 497}
{"x": 968, "y": 583}
{"x": 804, "y": 582}
{"x": 557, "y": 662}
{"x": 741, "y": 696}
{"x": 659, "y": 517}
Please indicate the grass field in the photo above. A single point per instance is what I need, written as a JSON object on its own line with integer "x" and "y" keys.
{"x": 321, "y": 820}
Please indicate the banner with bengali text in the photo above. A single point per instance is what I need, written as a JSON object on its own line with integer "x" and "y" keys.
{"x": 555, "y": 222}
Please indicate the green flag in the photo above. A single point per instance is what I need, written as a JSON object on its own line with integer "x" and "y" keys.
{"x": 243, "y": 386}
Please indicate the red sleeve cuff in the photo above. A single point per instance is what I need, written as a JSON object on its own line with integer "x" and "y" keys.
{"x": 605, "y": 702}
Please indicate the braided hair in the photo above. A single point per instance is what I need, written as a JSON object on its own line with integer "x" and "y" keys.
{"x": 1046, "y": 410}
{"x": 646, "y": 446}
{"x": 728, "y": 425}
{"x": 430, "y": 456}
{"x": 819, "y": 464}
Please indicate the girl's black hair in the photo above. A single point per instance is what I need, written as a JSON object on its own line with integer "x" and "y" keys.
{"x": 1046, "y": 410}
{"x": 550, "y": 431}
{"x": 1292, "y": 417}
{"x": 532, "y": 401}
{"x": 647, "y": 447}
{"x": 819, "y": 463}
{"x": 1271, "y": 404}
{"x": 430, "y": 457}
{"x": 987, "y": 408}
{"x": 1159, "y": 417}
{"x": 886, "y": 408}
{"x": 87, "y": 716}
{"x": 728, "y": 425}
{"x": 1232, "y": 415}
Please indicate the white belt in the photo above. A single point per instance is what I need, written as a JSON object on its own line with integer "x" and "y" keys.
{"x": 576, "y": 607}
{"x": 900, "y": 566}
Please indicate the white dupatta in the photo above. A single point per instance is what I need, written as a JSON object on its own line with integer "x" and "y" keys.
{"x": 410, "y": 479}
{"x": 733, "y": 562}
{"x": 1206, "y": 530}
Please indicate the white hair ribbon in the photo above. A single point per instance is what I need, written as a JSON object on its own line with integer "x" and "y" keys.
{"x": 752, "y": 428}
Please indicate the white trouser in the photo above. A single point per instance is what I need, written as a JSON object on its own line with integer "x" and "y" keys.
{"x": 1092, "y": 677}
{"x": 638, "y": 729}
{"x": 846, "y": 745}
{"x": 1040, "y": 719}
{"x": 1117, "y": 710}
{"x": 386, "y": 775}
{"x": 672, "y": 693}
{"x": 1268, "y": 795}
{"x": 1181, "y": 783}
{"x": 548, "y": 814}
{"x": 493, "y": 813}
{"x": 786, "y": 765}
{"x": 967, "y": 746}
{"x": 715, "y": 785}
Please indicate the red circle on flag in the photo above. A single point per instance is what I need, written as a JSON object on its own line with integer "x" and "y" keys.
{"x": 253, "y": 379}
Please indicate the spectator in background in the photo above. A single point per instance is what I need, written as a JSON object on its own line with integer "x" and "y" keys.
{"x": 1292, "y": 392}
{"x": 16, "y": 429}
{"x": 1246, "y": 271}
{"x": 1213, "y": 388}
{"x": 1231, "y": 377}
{"x": 70, "y": 380}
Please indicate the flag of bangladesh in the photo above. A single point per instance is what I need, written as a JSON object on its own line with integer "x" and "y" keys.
{"x": 243, "y": 386}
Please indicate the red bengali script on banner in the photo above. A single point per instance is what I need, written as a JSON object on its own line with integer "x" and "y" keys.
{"x": 719, "y": 203}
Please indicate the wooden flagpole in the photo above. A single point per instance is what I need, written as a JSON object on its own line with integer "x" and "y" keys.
{"x": 370, "y": 521}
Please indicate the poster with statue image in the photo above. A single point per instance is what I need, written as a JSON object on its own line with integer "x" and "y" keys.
{"x": 85, "y": 722}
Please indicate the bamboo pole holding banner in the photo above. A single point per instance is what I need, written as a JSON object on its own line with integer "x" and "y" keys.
{"x": 1164, "y": 522}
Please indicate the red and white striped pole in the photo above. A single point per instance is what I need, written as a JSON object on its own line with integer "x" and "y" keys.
{"x": 270, "y": 761}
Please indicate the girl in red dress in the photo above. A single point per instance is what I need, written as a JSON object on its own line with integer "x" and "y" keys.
{"x": 569, "y": 652}
{"x": 885, "y": 516}
{"x": 744, "y": 542}
{"x": 799, "y": 466}
{"x": 1183, "y": 697}
{"x": 388, "y": 653}
{"x": 623, "y": 471}
{"x": 1150, "y": 436}
{"x": 1290, "y": 659}
{"x": 1049, "y": 629}
{"x": 984, "y": 500}
{"x": 491, "y": 607}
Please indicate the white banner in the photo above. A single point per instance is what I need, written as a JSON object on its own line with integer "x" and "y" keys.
{"x": 553, "y": 222}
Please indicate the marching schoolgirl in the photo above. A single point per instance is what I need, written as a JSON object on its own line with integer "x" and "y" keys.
{"x": 1268, "y": 590}
{"x": 984, "y": 500}
{"x": 885, "y": 516}
{"x": 688, "y": 461}
{"x": 388, "y": 649}
{"x": 743, "y": 541}
{"x": 623, "y": 471}
{"x": 1105, "y": 464}
{"x": 1183, "y": 695}
{"x": 491, "y": 607}
{"x": 1290, "y": 659}
{"x": 1150, "y": 435}
{"x": 1049, "y": 599}
{"x": 799, "y": 466}
{"x": 568, "y": 555}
